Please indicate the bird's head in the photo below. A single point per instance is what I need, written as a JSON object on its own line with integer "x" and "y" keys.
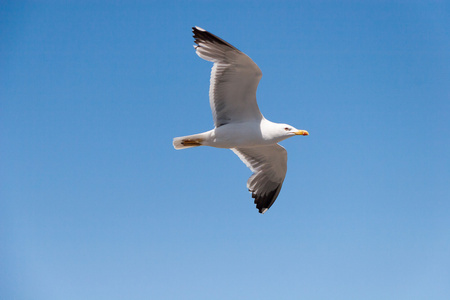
{"x": 288, "y": 130}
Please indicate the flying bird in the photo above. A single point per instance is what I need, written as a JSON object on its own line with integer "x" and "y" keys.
{"x": 239, "y": 124}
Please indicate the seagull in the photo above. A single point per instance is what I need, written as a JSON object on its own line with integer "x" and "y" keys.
{"x": 239, "y": 124}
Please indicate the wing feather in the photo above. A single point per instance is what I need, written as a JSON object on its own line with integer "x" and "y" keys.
{"x": 269, "y": 166}
{"x": 234, "y": 79}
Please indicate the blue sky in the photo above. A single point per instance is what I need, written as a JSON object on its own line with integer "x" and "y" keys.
{"x": 96, "y": 203}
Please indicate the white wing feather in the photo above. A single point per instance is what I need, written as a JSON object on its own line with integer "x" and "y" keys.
{"x": 234, "y": 79}
{"x": 269, "y": 166}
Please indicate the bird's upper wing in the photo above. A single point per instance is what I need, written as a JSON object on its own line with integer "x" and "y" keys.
{"x": 269, "y": 166}
{"x": 234, "y": 79}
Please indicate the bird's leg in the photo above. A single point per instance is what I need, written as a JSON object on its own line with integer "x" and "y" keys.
{"x": 192, "y": 142}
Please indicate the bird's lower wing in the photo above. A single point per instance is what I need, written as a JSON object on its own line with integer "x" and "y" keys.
{"x": 269, "y": 166}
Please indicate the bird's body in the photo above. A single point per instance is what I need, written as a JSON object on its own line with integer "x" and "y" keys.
{"x": 239, "y": 124}
{"x": 246, "y": 134}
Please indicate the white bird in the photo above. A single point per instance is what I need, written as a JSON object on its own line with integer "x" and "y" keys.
{"x": 239, "y": 125}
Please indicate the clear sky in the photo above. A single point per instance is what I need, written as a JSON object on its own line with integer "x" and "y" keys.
{"x": 96, "y": 203}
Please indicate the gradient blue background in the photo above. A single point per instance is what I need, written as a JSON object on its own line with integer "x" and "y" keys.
{"x": 96, "y": 203}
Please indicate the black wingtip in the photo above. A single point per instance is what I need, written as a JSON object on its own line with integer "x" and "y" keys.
{"x": 201, "y": 35}
{"x": 264, "y": 202}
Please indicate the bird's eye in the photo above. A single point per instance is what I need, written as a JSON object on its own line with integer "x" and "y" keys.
{"x": 287, "y": 128}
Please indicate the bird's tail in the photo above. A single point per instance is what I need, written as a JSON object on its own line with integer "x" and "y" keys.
{"x": 188, "y": 141}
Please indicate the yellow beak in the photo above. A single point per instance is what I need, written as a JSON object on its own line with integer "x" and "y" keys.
{"x": 301, "y": 132}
